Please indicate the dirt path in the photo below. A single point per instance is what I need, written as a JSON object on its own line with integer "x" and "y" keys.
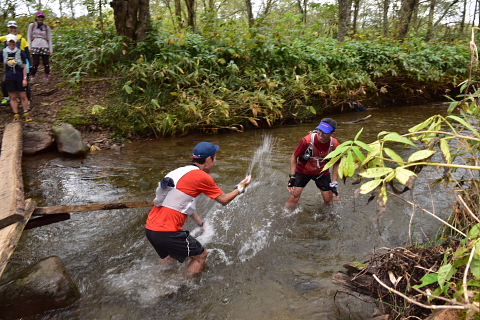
{"x": 54, "y": 102}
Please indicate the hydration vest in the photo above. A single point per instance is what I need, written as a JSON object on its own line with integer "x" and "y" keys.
{"x": 316, "y": 160}
{"x": 13, "y": 61}
{"x": 167, "y": 195}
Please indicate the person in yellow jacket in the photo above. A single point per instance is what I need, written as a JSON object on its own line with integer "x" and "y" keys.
{"x": 22, "y": 44}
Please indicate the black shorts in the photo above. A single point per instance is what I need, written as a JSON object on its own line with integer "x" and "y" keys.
{"x": 14, "y": 86}
{"x": 322, "y": 182}
{"x": 178, "y": 244}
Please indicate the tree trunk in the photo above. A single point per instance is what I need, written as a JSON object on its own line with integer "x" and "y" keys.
{"x": 464, "y": 13}
{"x": 356, "y": 9}
{"x": 344, "y": 11}
{"x": 386, "y": 5}
{"x": 406, "y": 13}
{"x": 431, "y": 12}
{"x": 178, "y": 14}
{"x": 191, "y": 4}
{"x": 249, "y": 6}
{"x": 132, "y": 18}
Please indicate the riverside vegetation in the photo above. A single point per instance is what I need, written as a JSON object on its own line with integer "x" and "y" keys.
{"x": 230, "y": 78}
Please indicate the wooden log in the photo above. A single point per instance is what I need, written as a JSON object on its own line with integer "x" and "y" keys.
{"x": 12, "y": 233}
{"x": 92, "y": 207}
{"x": 12, "y": 198}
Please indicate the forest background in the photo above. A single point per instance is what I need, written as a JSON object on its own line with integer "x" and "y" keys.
{"x": 174, "y": 67}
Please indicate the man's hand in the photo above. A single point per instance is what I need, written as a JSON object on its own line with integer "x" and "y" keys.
{"x": 334, "y": 187}
{"x": 291, "y": 181}
{"x": 245, "y": 182}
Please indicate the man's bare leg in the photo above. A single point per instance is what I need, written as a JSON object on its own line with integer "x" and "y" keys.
{"x": 295, "y": 193}
{"x": 196, "y": 265}
{"x": 167, "y": 261}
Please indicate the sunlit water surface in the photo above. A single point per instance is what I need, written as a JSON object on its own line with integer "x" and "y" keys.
{"x": 264, "y": 263}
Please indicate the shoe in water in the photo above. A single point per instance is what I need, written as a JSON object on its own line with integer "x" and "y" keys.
{"x": 27, "y": 116}
{"x": 16, "y": 117}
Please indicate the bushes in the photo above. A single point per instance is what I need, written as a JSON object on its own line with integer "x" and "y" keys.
{"x": 173, "y": 83}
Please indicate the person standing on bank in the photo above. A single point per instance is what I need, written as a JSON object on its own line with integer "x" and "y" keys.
{"x": 15, "y": 61}
{"x": 307, "y": 163}
{"x": 22, "y": 44}
{"x": 175, "y": 201}
{"x": 41, "y": 45}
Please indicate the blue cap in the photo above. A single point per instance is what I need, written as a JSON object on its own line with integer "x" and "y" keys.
{"x": 326, "y": 127}
{"x": 205, "y": 149}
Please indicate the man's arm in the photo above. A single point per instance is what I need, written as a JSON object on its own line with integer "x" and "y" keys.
{"x": 196, "y": 217}
{"x": 225, "y": 198}
{"x": 293, "y": 163}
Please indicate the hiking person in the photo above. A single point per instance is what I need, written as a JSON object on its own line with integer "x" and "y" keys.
{"x": 16, "y": 81}
{"x": 41, "y": 45}
{"x": 22, "y": 44}
{"x": 176, "y": 198}
{"x": 308, "y": 160}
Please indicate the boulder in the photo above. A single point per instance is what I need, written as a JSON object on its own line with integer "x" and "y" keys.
{"x": 36, "y": 141}
{"x": 69, "y": 140}
{"x": 40, "y": 287}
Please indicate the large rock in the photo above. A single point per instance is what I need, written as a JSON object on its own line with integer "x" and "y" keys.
{"x": 36, "y": 141}
{"x": 69, "y": 140}
{"x": 40, "y": 287}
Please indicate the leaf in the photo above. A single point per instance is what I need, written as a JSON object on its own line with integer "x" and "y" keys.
{"x": 420, "y": 155}
{"x": 475, "y": 268}
{"x": 464, "y": 123}
{"x": 445, "y": 273}
{"x": 358, "y": 134}
{"x": 340, "y": 149}
{"x": 252, "y": 120}
{"x": 376, "y": 172}
{"x": 370, "y": 186}
{"x": 403, "y": 175}
{"x": 331, "y": 162}
{"x": 128, "y": 89}
{"x": 358, "y": 153}
{"x": 349, "y": 165}
{"x": 363, "y": 145}
{"x": 422, "y": 125}
{"x": 398, "y": 138}
{"x": 426, "y": 280}
{"x": 97, "y": 109}
{"x": 445, "y": 150}
{"x": 474, "y": 231}
{"x": 393, "y": 155}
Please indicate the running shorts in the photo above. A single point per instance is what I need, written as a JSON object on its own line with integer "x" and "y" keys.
{"x": 322, "y": 182}
{"x": 177, "y": 244}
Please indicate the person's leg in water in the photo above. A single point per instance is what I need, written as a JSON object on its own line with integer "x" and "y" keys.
{"x": 295, "y": 193}
{"x": 196, "y": 265}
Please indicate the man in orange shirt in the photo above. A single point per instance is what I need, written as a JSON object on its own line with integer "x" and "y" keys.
{"x": 176, "y": 198}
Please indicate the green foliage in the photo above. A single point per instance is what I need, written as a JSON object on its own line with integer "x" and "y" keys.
{"x": 173, "y": 83}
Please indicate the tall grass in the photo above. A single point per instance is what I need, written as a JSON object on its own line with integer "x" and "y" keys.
{"x": 172, "y": 84}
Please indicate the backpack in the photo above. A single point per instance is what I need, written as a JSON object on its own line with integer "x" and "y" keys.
{"x": 34, "y": 26}
{"x": 12, "y": 62}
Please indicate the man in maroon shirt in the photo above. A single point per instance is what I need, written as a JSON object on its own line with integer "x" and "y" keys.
{"x": 307, "y": 163}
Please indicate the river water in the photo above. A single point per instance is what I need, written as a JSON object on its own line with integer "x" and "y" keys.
{"x": 264, "y": 263}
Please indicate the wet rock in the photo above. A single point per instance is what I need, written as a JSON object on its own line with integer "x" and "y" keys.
{"x": 69, "y": 140}
{"x": 40, "y": 287}
{"x": 36, "y": 141}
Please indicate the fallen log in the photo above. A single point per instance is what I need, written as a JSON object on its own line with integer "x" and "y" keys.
{"x": 92, "y": 207}
{"x": 356, "y": 121}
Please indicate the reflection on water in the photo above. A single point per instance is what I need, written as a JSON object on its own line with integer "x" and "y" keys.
{"x": 264, "y": 263}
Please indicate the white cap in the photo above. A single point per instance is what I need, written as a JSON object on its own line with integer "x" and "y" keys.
{"x": 12, "y": 24}
{"x": 11, "y": 37}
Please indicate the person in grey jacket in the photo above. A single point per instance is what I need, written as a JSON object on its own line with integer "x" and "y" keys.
{"x": 41, "y": 45}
